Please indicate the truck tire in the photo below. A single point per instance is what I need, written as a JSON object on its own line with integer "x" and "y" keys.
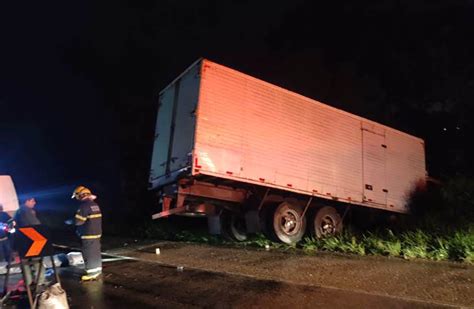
{"x": 266, "y": 220}
{"x": 288, "y": 223}
{"x": 327, "y": 222}
{"x": 233, "y": 226}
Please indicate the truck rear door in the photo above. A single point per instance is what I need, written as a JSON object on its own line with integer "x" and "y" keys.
{"x": 175, "y": 126}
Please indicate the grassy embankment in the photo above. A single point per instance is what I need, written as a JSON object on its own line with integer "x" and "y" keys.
{"x": 440, "y": 228}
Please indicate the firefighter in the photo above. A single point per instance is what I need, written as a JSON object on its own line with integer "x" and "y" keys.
{"x": 88, "y": 222}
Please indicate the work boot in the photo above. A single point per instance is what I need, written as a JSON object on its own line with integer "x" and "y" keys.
{"x": 90, "y": 277}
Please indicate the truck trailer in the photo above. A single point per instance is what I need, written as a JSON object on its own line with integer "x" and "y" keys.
{"x": 252, "y": 156}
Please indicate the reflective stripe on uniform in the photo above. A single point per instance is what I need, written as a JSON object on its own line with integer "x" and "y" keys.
{"x": 91, "y": 236}
{"x": 4, "y": 238}
{"x": 94, "y": 216}
{"x": 93, "y": 270}
{"x": 80, "y": 217}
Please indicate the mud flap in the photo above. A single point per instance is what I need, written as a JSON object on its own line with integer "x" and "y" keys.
{"x": 214, "y": 224}
{"x": 252, "y": 221}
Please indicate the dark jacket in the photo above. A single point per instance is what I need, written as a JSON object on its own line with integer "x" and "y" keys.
{"x": 4, "y": 217}
{"x": 26, "y": 216}
{"x": 89, "y": 220}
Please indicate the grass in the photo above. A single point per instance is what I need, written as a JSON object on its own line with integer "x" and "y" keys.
{"x": 416, "y": 244}
{"x": 458, "y": 246}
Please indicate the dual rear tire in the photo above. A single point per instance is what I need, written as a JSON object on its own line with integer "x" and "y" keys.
{"x": 285, "y": 223}
{"x": 327, "y": 222}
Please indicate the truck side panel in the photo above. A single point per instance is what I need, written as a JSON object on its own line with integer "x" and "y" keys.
{"x": 252, "y": 131}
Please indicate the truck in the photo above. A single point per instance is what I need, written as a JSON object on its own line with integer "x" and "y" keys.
{"x": 254, "y": 157}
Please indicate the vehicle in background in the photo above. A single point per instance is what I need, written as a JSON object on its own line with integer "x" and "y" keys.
{"x": 8, "y": 196}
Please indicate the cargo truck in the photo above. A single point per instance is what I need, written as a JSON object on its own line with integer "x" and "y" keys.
{"x": 252, "y": 156}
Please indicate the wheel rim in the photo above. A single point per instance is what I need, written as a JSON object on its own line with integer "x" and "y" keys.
{"x": 290, "y": 222}
{"x": 327, "y": 226}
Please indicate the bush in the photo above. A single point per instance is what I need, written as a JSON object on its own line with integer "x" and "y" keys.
{"x": 153, "y": 230}
{"x": 439, "y": 250}
{"x": 415, "y": 244}
{"x": 382, "y": 244}
{"x": 461, "y": 246}
{"x": 446, "y": 207}
{"x": 458, "y": 196}
{"x": 458, "y": 246}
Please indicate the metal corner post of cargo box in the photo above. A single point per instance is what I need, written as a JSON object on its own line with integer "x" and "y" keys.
{"x": 201, "y": 62}
{"x": 173, "y": 125}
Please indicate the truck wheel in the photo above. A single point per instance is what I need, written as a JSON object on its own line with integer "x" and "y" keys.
{"x": 233, "y": 226}
{"x": 288, "y": 223}
{"x": 266, "y": 221}
{"x": 327, "y": 222}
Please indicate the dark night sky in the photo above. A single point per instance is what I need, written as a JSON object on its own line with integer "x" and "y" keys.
{"x": 78, "y": 79}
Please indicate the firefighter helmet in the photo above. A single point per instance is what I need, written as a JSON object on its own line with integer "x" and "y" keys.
{"x": 80, "y": 192}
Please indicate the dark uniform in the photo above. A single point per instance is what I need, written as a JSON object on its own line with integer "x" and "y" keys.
{"x": 89, "y": 228}
{"x": 26, "y": 216}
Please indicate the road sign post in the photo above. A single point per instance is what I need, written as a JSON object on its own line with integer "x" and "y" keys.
{"x": 33, "y": 245}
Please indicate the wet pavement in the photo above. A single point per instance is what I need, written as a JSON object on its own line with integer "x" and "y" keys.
{"x": 190, "y": 275}
{"x": 432, "y": 282}
{"x": 137, "y": 284}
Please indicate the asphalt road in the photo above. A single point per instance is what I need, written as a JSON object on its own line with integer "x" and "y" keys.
{"x": 197, "y": 276}
{"x": 138, "y": 284}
